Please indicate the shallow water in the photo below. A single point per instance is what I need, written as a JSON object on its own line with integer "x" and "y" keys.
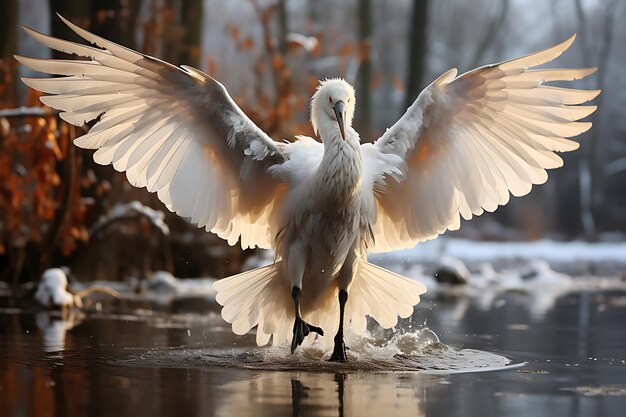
{"x": 566, "y": 359}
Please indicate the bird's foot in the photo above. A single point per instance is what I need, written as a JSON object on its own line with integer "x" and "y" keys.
{"x": 301, "y": 329}
{"x": 339, "y": 352}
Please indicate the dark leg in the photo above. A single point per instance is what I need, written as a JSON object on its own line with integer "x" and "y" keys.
{"x": 301, "y": 328}
{"x": 339, "y": 352}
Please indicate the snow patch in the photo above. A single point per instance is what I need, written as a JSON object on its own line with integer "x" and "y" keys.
{"x": 131, "y": 210}
{"x": 451, "y": 271}
{"x": 52, "y": 289}
{"x": 164, "y": 287}
{"x": 476, "y": 251}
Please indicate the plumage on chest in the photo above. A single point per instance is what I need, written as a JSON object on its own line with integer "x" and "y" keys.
{"x": 338, "y": 178}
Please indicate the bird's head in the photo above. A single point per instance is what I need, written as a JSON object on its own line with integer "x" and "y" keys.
{"x": 332, "y": 105}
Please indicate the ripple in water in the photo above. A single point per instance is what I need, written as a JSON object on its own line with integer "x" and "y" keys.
{"x": 410, "y": 351}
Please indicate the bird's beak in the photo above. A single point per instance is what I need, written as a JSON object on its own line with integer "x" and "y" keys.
{"x": 340, "y": 112}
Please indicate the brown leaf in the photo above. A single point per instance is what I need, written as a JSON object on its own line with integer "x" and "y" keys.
{"x": 234, "y": 33}
{"x": 211, "y": 66}
{"x": 347, "y": 49}
{"x": 397, "y": 84}
{"x": 246, "y": 44}
{"x": 286, "y": 73}
{"x": 277, "y": 62}
{"x": 375, "y": 81}
{"x": 364, "y": 50}
{"x": 312, "y": 84}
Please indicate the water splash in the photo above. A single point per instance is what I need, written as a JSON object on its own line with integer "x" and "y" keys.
{"x": 406, "y": 351}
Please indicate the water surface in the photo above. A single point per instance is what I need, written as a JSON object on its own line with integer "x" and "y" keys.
{"x": 504, "y": 358}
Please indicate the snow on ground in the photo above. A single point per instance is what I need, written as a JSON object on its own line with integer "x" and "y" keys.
{"x": 475, "y": 251}
{"x": 170, "y": 302}
{"x": 163, "y": 282}
{"x": 482, "y": 276}
{"x": 451, "y": 271}
{"x": 487, "y": 270}
{"x": 161, "y": 288}
{"x": 472, "y": 252}
{"x": 131, "y": 210}
{"x": 52, "y": 289}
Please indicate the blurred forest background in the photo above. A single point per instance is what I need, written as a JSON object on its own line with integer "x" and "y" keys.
{"x": 57, "y": 207}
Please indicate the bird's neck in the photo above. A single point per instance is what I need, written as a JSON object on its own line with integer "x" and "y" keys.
{"x": 338, "y": 178}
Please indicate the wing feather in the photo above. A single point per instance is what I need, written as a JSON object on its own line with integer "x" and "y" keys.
{"x": 175, "y": 131}
{"x": 468, "y": 142}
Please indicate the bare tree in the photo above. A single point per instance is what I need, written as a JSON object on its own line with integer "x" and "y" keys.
{"x": 283, "y": 27}
{"x": 191, "y": 15}
{"x": 8, "y": 43}
{"x": 8, "y": 26}
{"x": 490, "y": 33}
{"x": 591, "y": 171}
{"x": 417, "y": 50}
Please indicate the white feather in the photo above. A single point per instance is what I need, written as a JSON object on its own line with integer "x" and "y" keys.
{"x": 486, "y": 133}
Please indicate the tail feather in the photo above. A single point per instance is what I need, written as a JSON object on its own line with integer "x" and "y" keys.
{"x": 260, "y": 298}
{"x": 237, "y": 307}
{"x": 382, "y": 295}
{"x": 257, "y": 298}
{"x": 244, "y": 309}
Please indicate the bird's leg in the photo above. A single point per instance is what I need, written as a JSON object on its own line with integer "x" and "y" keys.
{"x": 339, "y": 352}
{"x": 301, "y": 328}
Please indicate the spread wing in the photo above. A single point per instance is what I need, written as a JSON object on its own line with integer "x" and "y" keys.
{"x": 174, "y": 130}
{"x": 469, "y": 141}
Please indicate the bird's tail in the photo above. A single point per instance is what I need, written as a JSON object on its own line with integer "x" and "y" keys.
{"x": 257, "y": 297}
{"x": 260, "y": 297}
{"x": 381, "y": 294}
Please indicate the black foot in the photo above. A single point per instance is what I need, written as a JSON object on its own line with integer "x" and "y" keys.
{"x": 339, "y": 352}
{"x": 301, "y": 329}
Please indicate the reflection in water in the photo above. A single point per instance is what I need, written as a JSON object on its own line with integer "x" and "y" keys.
{"x": 324, "y": 394}
{"x": 163, "y": 365}
{"x": 53, "y": 328}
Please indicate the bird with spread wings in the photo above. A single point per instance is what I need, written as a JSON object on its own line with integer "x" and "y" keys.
{"x": 463, "y": 146}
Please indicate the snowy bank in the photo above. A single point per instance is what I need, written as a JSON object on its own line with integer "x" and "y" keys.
{"x": 572, "y": 254}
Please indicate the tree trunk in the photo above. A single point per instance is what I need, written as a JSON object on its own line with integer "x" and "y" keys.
{"x": 364, "y": 75}
{"x": 8, "y": 45}
{"x": 115, "y": 20}
{"x": 592, "y": 167}
{"x": 191, "y": 16}
{"x": 283, "y": 26}
{"x": 73, "y": 10}
{"x": 417, "y": 50}
{"x": 8, "y": 28}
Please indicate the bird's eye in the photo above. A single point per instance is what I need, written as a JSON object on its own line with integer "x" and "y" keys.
{"x": 349, "y": 100}
{"x": 330, "y": 99}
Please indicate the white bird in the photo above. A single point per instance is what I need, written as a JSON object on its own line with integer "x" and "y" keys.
{"x": 459, "y": 150}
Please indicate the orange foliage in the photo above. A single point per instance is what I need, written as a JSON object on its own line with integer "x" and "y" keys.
{"x": 43, "y": 185}
{"x": 275, "y": 108}
{"x": 36, "y": 207}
